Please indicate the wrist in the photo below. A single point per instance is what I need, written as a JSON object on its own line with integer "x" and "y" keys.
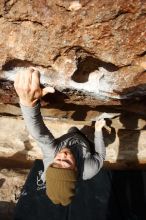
{"x": 27, "y": 104}
{"x": 98, "y": 129}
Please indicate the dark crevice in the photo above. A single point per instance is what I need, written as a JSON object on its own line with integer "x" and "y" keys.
{"x": 34, "y": 22}
{"x": 12, "y": 115}
{"x": 108, "y": 19}
{"x": 89, "y": 65}
{"x": 133, "y": 92}
{"x": 82, "y": 54}
{"x": 80, "y": 112}
{"x": 120, "y": 12}
{"x": 78, "y": 50}
{"x": 15, "y": 63}
{"x": 59, "y": 101}
{"x": 143, "y": 14}
{"x": 62, "y": 7}
{"x": 2, "y": 180}
{"x": 18, "y": 21}
{"x": 25, "y": 20}
{"x": 56, "y": 97}
{"x": 142, "y": 54}
{"x": 56, "y": 57}
{"x": 85, "y": 4}
{"x": 9, "y": 65}
{"x": 8, "y": 7}
{"x": 6, "y": 85}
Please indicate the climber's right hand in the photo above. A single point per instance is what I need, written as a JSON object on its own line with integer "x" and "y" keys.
{"x": 27, "y": 86}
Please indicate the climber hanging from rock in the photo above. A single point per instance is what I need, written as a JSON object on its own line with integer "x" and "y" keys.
{"x": 67, "y": 159}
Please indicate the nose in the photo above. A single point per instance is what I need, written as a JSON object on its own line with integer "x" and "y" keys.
{"x": 63, "y": 154}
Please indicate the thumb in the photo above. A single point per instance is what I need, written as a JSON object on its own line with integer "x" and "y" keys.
{"x": 48, "y": 89}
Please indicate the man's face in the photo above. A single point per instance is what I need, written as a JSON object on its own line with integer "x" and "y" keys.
{"x": 64, "y": 159}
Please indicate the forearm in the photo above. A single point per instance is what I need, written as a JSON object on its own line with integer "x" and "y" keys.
{"x": 94, "y": 162}
{"x": 36, "y": 127}
{"x": 99, "y": 143}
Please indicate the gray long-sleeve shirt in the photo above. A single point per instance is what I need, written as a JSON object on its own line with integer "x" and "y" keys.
{"x": 44, "y": 138}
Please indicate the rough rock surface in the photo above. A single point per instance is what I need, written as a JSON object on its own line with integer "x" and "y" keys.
{"x": 11, "y": 183}
{"x": 94, "y": 53}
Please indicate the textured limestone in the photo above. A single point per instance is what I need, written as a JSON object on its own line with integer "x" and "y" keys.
{"x": 52, "y": 26}
{"x": 92, "y": 51}
{"x": 11, "y": 183}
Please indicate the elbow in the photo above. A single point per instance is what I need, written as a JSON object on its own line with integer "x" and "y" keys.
{"x": 92, "y": 168}
{"x": 89, "y": 175}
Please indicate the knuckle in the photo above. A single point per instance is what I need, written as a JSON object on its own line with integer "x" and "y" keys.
{"x": 27, "y": 89}
{"x": 36, "y": 92}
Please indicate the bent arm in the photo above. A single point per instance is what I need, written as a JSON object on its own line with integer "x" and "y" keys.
{"x": 93, "y": 163}
{"x": 37, "y": 129}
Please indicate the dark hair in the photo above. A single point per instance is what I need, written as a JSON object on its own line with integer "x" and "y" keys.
{"x": 75, "y": 140}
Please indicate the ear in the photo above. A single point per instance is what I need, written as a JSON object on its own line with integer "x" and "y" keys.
{"x": 48, "y": 89}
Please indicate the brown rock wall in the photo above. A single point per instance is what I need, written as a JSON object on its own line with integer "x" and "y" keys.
{"x": 108, "y": 37}
{"x": 11, "y": 183}
{"x": 94, "y": 53}
{"x": 109, "y": 30}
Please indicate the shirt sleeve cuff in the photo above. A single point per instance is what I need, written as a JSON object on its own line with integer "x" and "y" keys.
{"x": 31, "y": 110}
